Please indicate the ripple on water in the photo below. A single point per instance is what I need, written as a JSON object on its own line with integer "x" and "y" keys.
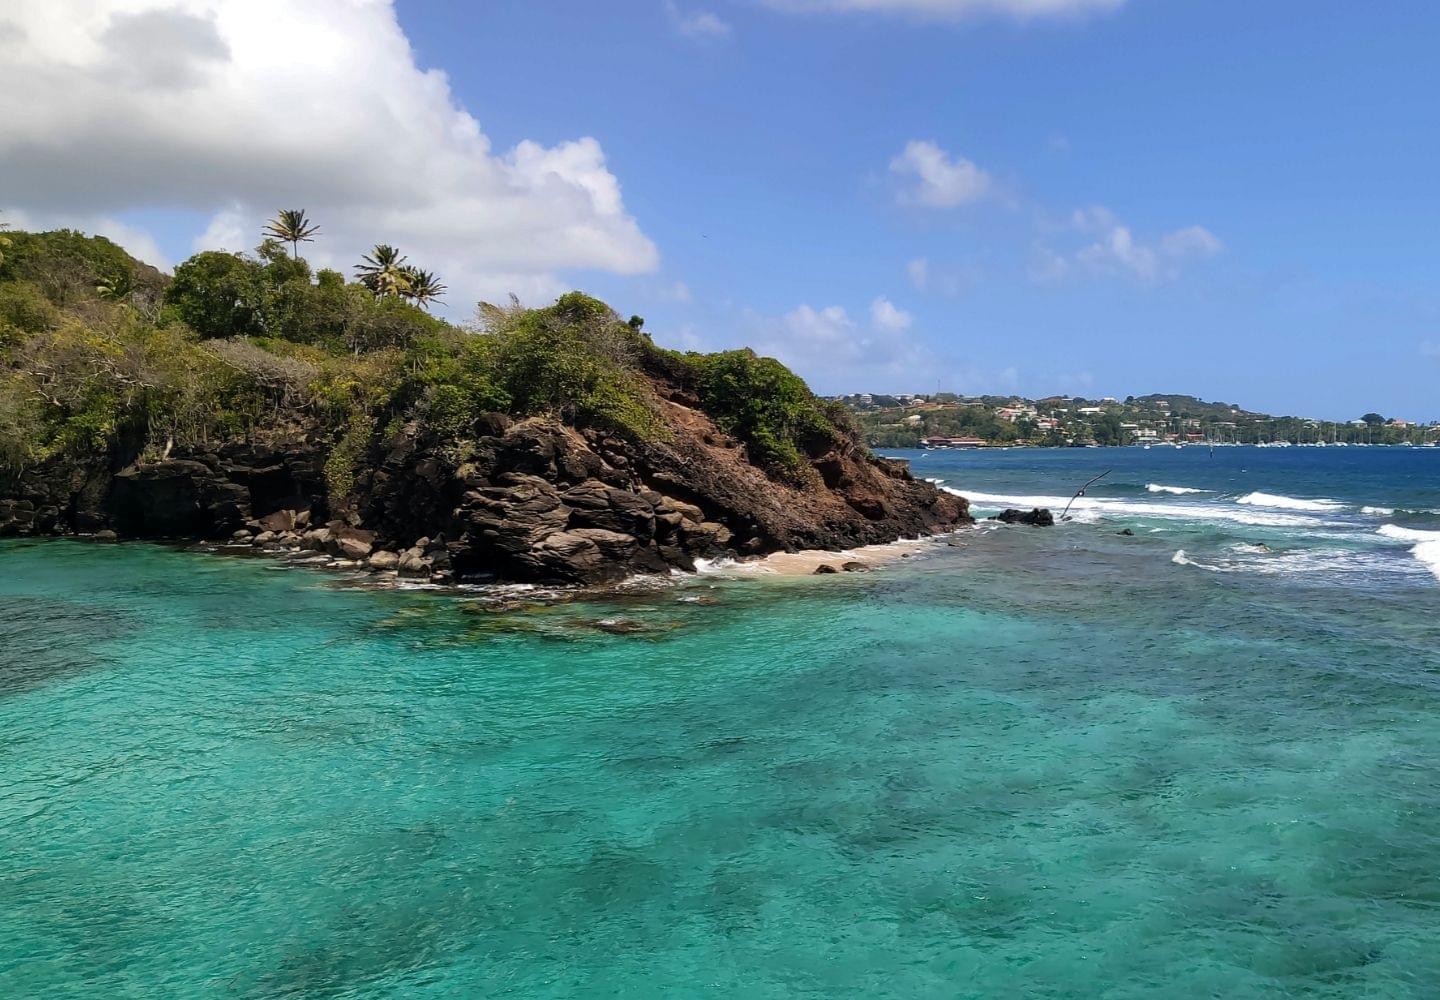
{"x": 996, "y": 772}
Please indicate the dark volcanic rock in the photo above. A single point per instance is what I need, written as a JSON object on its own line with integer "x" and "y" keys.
{"x": 1040, "y": 517}
{"x": 531, "y": 500}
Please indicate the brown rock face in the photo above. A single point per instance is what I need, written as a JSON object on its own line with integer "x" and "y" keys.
{"x": 541, "y": 501}
{"x": 530, "y": 500}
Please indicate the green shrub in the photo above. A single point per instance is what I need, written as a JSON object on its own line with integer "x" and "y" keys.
{"x": 25, "y": 308}
{"x": 765, "y": 405}
{"x": 218, "y": 295}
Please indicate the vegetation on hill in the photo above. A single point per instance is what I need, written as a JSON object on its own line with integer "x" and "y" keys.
{"x": 101, "y": 354}
{"x": 1058, "y": 421}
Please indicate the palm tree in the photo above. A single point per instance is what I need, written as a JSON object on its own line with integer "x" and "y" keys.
{"x": 425, "y": 288}
{"x": 383, "y": 271}
{"x": 291, "y": 226}
{"x": 114, "y": 289}
{"x": 4, "y": 240}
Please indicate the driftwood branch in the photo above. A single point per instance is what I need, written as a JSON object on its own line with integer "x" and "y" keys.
{"x": 1065, "y": 514}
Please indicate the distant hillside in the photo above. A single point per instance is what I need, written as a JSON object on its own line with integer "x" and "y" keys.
{"x": 1057, "y": 421}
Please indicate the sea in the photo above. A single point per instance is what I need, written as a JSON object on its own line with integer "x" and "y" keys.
{"x": 1185, "y": 743}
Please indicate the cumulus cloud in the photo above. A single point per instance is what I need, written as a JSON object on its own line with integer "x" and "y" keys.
{"x": 885, "y": 315}
{"x": 833, "y": 352}
{"x": 1110, "y": 248}
{"x": 954, "y": 10}
{"x": 933, "y": 178}
{"x": 919, "y": 272}
{"x": 202, "y": 105}
{"x": 699, "y": 24}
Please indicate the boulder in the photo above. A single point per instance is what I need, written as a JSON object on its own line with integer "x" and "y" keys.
{"x": 345, "y": 542}
{"x": 1040, "y": 517}
{"x": 413, "y": 562}
{"x": 352, "y": 548}
{"x": 384, "y": 559}
{"x": 854, "y": 567}
{"x": 279, "y": 522}
{"x": 824, "y": 569}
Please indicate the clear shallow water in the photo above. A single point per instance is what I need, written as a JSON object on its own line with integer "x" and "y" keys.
{"x": 1031, "y": 763}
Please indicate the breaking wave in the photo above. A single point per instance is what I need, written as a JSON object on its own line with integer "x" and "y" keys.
{"x": 1176, "y": 490}
{"x": 1091, "y": 509}
{"x": 1289, "y": 503}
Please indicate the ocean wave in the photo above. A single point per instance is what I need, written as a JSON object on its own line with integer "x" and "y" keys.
{"x": 1181, "y": 559}
{"x": 1427, "y": 551}
{"x": 1091, "y": 509}
{"x": 1310, "y": 564}
{"x": 1258, "y": 499}
{"x": 1429, "y": 554}
{"x": 1176, "y": 490}
{"x": 1408, "y": 534}
{"x": 1378, "y": 511}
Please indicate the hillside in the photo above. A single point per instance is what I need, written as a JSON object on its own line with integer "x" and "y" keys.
{"x": 1060, "y": 421}
{"x": 248, "y": 399}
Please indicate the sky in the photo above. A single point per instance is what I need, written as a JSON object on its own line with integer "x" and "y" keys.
{"x": 1235, "y": 200}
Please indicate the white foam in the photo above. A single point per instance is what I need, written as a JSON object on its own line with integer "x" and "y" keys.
{"x": 1176, "y": 490}
{"x": 1378, "y": 511}
{"x": 1429, "y": 554}
{"x": 1408, "y": 534}
{"x": 1258, "y": 499}
{"x": 1181, "y": 559}
{"x": 1090, "y": 509}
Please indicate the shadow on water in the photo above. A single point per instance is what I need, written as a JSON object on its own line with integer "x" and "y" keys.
{"x": 47, "y": 640}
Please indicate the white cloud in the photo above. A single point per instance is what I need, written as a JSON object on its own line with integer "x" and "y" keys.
{"x": 1113, "y": 249}
{"x": 1192, "y": 241}
{"x": 885, "y": 315}
{"x": 937, "y": 180}
{"x": 919, "y": 271}
{"x": 954, "y": 10}
{"x": 676, "y": 292}
{"x": 113, "y": 105}
{"x": 832, "y": 352}
{"x": 701, "y": 24}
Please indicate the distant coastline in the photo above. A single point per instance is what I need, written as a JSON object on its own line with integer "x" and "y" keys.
{"x": 945, "y": 420}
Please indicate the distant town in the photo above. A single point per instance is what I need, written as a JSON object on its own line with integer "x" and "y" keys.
{"x": 946, "y": 420}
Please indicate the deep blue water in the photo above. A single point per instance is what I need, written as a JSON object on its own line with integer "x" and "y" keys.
{"x": 1024, "y": 762}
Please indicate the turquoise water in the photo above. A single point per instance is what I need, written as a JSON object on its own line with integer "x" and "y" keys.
{"x": 1027, "y": 763}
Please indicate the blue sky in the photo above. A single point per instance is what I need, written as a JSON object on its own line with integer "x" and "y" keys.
{"x": 1236, "y": 200}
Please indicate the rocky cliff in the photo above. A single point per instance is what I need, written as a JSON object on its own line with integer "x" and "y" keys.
{"x": 250, "y": 401}
{"x": 531, "y": 499}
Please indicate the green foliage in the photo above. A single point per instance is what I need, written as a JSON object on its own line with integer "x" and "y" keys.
{"x": 67, "y": 266}
{"x": 25, "y": 309}
{"x": 219, "y": 294}
{"x": 254, "y": 343}
{"x": 291, "y": 226}
{"x": 767, "y": 406}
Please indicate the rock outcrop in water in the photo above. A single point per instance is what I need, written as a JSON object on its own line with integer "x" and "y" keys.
{"x": 560, "y": 445}
{"x": 535, "y": 500}
{"x": 1040, "y": 517}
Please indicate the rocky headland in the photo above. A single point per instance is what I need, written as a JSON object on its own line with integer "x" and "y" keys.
{"x": 455, "y": 467}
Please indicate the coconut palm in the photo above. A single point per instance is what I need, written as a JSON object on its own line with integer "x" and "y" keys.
{"x": 383, "y": 271}
{"x": 291, "y": 226}
{"x": 425, "y": 288}
{"x": 114, "y": 289}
